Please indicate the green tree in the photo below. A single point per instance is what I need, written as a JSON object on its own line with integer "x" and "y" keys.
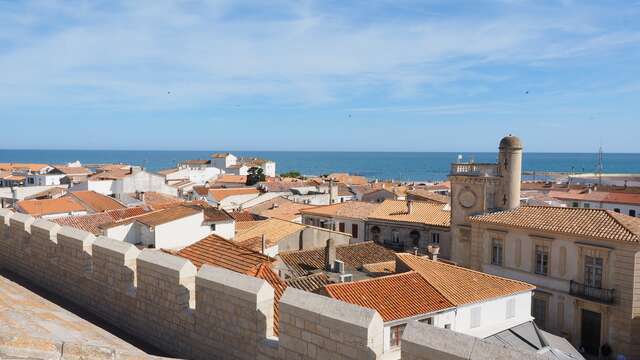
{"x": 291, "y": 174}
{"x": 255, "y": 175}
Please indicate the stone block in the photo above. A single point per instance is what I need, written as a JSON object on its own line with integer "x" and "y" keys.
{"x": 246, "y": 287}
{"x": 75, "y": 238}
{"x": 429, "y": 342}
{"x": 166, "y": 264}
{"x": 46, "y": 227}
{"x": 121, "y": 251}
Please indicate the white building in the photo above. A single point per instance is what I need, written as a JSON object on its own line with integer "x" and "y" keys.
{"x": 346, "y": 217}
{"x": 230, "y": 164}
{"x": 620, "y": 202}
{"x": 172, "y": 228}
{"x": 441, "y": 295}
{"x": 129, "y": 183}
{"x": 55, "y": 174}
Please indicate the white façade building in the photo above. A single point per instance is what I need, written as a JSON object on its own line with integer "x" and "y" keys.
{"x": 445, "y": 296}
{"x": 172, "y": 228}
{"x": 230, "y": 164}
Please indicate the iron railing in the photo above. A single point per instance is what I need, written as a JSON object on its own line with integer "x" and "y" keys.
{"x": 605, "y": 296}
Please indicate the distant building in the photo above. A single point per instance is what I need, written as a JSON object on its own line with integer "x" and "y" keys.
{"x": 231, "y": 164}
{"x": 346, "y": 217}
{"x": 76, "y": 203}
{"x": 410, "y": 225}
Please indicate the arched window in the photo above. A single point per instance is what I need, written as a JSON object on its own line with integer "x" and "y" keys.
{"x": 395, "y": 236}
{"x": 415, "y": 237}
{"x": 375, "y": 234}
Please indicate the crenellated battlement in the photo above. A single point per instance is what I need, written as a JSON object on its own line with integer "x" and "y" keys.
{"x": 162, "y": 299}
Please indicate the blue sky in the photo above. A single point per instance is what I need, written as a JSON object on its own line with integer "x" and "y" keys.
{"x": 396, "y": 75}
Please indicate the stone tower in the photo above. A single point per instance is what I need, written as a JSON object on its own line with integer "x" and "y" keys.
{"x": 478, "y": 188}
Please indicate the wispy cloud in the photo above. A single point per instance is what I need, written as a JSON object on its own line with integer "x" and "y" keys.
{"x": 167, "y": 54}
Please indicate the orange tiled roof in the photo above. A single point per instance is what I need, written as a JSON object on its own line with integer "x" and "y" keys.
{"x": 348, "y": 179}
{"x": 598, "y": 223}
{"x": 92, "y": 222}
{"x": 157, "y": 201}
{"x": 280, "y": 208}
{"x": 22, "y": 166}
{"x": 273, "y": 229}
{"x": 214, "y": 250}
{"x": 231, "y": 179}
{"x": 460, "y": 285}
{"x": 348, "y": 209}
{"x": 95, "y": 201}
{"x": 50, "y": 206}
{"x": 377, "y": 269}
{"x": 245, "y": 216}
{"x": 310, "y": 283}
{"x": 301, "y": 262}
{"x": 422, "y": 212}
{"x": 394, "y": 297}
{"x": 221, "y": 194}
{"x": 428, "y": 196}
{"x": 73, "y": 170}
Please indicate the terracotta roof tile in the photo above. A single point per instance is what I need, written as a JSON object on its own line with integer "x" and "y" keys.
{"x": 394, "y": 297}
{"x": 303, "y": 262}
{"x": 156, "y": 200}
{"x": 348, "y": 209}
{"x": 381, "y": 268}
{"x": 231, "y": 179}
{"x": 95, "y": 201}
{"x": 273, "y": 229}
{"x": 598, "y": 223}
{"x": 310, "y": 283}
{"x": 428, "y": 196}
{"x": 460, "y": 285}
{"x": 245, "y": 216}
{"x": 422, "y": 212}
{"x": 214, "y": 250}
{"x": 23, "y": 166}
{"x": 280, "y": 208}
{"x": 92, "y": 222}
{"x": 221, "y": 194}
{"x": 348, "y": 179}
{"x": 50, "y": 206}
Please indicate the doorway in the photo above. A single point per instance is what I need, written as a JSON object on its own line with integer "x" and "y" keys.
{"x": 590, "y": 334}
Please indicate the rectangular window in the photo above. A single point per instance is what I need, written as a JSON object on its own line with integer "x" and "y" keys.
{"x": 447, "y": 326}
{"x": 575, "y": 204}
{"x": 213, "y": 227}
{"x": 476, "y": 317}
{"x": 593, "y": 271}
{"x": 632, "y": 212}
{"x": 395, "y": 236}
{"x": 616, "y": 210}
{"x": 435, "y": 238}
{"x": 511, "y": 308}
{"x": 497, "y": 252}
{"x": 542, "y": 260}
{"x": 539, "y": 311}
{"x": 341, "y": 227}
{"x": 354, "y": 230}
{"x": 587, "y": 205}
{"x": 428, "y": 321}
{"x": 396, "y": 335}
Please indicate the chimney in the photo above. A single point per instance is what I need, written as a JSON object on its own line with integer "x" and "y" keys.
{"x": 433, "y": 250}
{"x": 329, "y": 255}
{"x": 264, "y": 244}
{"x": 409, "y": 206}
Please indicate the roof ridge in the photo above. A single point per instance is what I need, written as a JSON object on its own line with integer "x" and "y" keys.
{"x": 615, "y": 216}
{"x": 462, "y": 269}
{"x": 410, "y": 272}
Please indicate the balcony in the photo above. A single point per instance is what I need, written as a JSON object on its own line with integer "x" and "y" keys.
{"x": 474, "y": 169}
{"x": 605, "y": 296}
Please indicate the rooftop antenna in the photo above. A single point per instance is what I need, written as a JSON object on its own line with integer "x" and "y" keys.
{"x": 600, "y": 165}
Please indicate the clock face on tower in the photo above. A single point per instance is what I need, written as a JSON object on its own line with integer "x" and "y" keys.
{"x": 467, "y": 198}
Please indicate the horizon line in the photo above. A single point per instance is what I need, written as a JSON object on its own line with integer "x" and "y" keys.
{"x": 329, "y": 151}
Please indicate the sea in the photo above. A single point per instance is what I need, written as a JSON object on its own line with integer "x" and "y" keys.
{"x": 400, "y": 166}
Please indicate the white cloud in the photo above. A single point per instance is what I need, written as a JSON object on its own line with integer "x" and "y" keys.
{"x": 134, "y": 52}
